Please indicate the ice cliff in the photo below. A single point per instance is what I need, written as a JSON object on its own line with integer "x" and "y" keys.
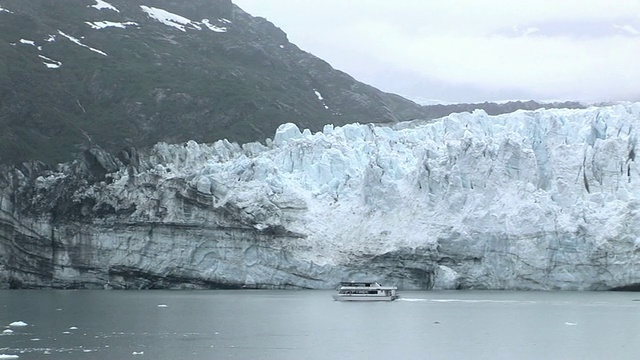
{"x": 545, "y": 199}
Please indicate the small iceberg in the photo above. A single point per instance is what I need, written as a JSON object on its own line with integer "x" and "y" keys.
{"x": 162, "y": 305}
{"x": 7, "y": 331}
{"x": 5, "y": 356}
{"x": 18, "y": 323}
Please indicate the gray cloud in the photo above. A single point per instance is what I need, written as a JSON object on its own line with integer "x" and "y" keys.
{"x": 472, "y": 50}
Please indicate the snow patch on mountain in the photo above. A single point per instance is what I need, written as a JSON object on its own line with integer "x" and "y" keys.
{"x": 107, "y": 24}
{"x": 78, "y": 42}
{"x": 319, "y": 96}
{"x": 179, "y": 22}
{"x": 212, "y": 27}
{"x": 100, "y": 4}
{"x": 50, "y": 63}
{"x": 30, "y": 42}
{"x": 168, "y": 18}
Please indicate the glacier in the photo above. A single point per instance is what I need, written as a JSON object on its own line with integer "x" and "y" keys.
{"x": 535, "y": 200}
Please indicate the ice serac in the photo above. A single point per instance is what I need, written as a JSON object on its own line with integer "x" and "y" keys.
{"x": 545, "y": 199}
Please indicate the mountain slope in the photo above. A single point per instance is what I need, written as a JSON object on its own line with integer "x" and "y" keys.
{"x": 74, "y": 74}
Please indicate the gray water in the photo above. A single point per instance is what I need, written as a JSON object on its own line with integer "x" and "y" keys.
{"x": 310, "y": 325}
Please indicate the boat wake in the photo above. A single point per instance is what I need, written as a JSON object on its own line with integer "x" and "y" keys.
{"x": 470, "y": 301}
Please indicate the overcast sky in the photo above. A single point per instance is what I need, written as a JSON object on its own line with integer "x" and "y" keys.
{"x": 472, "y": 50}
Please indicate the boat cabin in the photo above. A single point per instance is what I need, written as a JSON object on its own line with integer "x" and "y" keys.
{"x": 365, "y": 290}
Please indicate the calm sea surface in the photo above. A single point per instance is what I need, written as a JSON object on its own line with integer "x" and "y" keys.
{"x": 310, "y": 325}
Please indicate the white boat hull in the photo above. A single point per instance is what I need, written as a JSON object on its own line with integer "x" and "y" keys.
{"x": 354, "y": 297}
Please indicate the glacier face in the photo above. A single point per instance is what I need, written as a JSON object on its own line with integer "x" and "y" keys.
{"x": 544, "y": 199}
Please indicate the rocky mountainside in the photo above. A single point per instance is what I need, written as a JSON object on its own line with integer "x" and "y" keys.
{"x": 544, "y": 200}
{"x": 79, "y": 73}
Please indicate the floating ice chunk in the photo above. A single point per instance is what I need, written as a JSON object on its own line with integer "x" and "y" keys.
{"x": 570, "y": 323}
{"x": 137, "y": 353}
{"x": 7, "y": 331}
{"x": 73, "y": 328}
{"x": 162, "y": 305}
{"x": 5, "y": 356}
{"x": 18, "y": 323}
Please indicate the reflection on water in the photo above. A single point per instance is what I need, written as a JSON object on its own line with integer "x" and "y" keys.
{"x": 309, "y": 324}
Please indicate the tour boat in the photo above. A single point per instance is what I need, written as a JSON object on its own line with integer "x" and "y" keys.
{"x": 365, "y": 291}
